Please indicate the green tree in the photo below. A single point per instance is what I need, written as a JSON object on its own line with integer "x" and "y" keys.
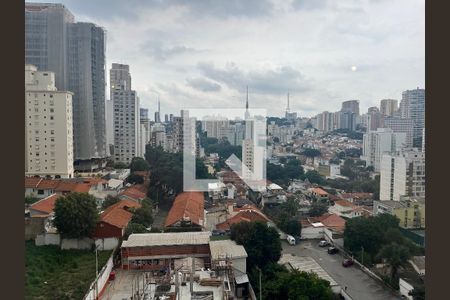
{"x": 309, "y": 152}
{"x": 134, "y": 228}
{"x": 76, "y": 215}
{"x": 143, "y": 215}
{"x": 135, "y": 179}
{"x": 31, "y": 199}
{"x": 139, "y": 164}
{"x": 317, "y": 209}
{"x": 314, "y": 177}
{"x": 395, "y": 256}
{"x": 109, "y": 200}
{"x": 120, "y": 165}
{"x": 261, "y": 242}
{"x": 291, "y": 226}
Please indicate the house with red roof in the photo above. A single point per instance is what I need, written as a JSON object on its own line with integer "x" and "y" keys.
{"x": 187, "y": 210}
{"x": 347, "y": 209}
{"x": 113, "y": 221}
{"x": 245, "y": 213}
{"x": 44, "y": 206}
{"x": 42, "y": 187}
{"x": 137, "y": 192}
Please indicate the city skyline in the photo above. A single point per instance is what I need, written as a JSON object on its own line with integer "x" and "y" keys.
{"x": 321, "y": 58}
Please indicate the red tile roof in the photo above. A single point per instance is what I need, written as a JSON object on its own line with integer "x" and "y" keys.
{"x": 249, "y": 215}
{"x": 46, "y": 205}
{"x": 331, "y": 221}
{"x": 59, "y": 185}
{"x": 117, "y": 214}
{"x": 32, "y": 182}
{"x": 134, "y": 192}
{"x": 187, "y": 205}
{"x": 70, "y": 187}
{"x": 319, "y": 191}
{"x": 344, "y": 203}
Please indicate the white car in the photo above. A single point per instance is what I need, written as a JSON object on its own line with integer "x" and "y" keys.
{"x": 323, "y": 243}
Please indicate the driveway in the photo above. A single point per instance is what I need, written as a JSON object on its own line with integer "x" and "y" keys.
{"x": 360, "y": 286}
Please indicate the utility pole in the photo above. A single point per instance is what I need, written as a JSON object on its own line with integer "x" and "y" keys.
{"x": 362, "y": 255}
{"x": 260, "y": 286}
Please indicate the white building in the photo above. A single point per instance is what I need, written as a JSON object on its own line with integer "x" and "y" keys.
{"x": 401, "y": 125}
{"x": 126, "y": 115}
{"x": 375, "y": 143}
{"x": 402, "y": 174}
{"x": 48, "y": 126}
{"x": 145, "y": 130}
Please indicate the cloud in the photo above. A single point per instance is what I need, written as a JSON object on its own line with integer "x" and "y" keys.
{"x": 203, "y": 84}
{"x": 309, "y": 5}
{"x": 278, "y": 80}
{"x": 161, "y": 52}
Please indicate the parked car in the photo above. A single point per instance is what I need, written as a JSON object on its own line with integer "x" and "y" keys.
{"x": 333, "y": 250}
{"x": 290, "y": 239}
{"x": 323, "y": 243}
{"x": 347, "y": 262}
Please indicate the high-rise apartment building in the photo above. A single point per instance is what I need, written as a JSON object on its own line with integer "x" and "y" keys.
{"x": 48, "y": 126}
{"x": 388, "y": 107}
{"x": 376, "y": 143}
{"x": 413, "y": 106}
{"x": 75, "y": 52}
{"x": 350, "y": 106}
{"x": 145, "y": 130}
{"x": 126, "y": 115}
{"x": 375, "y": 119}
{"x": 398, "y": 124}
{"x": 110, "y": 127}
{"x": 402, "y": 174}
{"x": 325, "y": 121}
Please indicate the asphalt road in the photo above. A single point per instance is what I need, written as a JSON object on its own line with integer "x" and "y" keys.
{"x": 360, "y": 286}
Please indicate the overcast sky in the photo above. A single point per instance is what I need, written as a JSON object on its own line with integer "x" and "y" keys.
{"x": 203, "y": 53}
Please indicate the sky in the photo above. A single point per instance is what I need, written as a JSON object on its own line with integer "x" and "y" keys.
{"x": 203, "y": 53}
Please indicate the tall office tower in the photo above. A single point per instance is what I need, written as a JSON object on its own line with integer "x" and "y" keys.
{"x": 158, "y": 113}
{"x": 375, "y": 119}
{"x": 87, "y": 82}
{"x": 413, "y": 106}
{"x": 376, "y": 143}
{"x": 166, "y": 118}
{"x": 75, "y": 52}
{"x": 158, "y": 136}
{"x": 145, "y": 130}
{"x": 388, "y": 107}
{"x": 350, "y": 106}
{"x": 401, "y": 125}
{"x": 402, "y": 174}
{"x": 126, "y": 115}
{"x": 48, "y": 126}
{"x": 110, "y": 127}
{"x": 46, "y": 38}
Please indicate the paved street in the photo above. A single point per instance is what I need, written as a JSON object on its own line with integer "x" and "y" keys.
{"x": 360, "y": 286}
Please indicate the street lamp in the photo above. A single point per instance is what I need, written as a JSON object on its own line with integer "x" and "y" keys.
{"x": 260, "y": 286}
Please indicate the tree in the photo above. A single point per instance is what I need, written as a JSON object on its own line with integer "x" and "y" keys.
{"x": 317, "y": 209}
{"x": 120, "y": 165}
{"x": 139, "y": 164}
{"x": 134, "y": 228}
{"x": 261, "y": 242}
{"x": 143, "y": 215}
{"x": 135, "y": 179}
{"x": 309, "y": 152}
{"x": 314, "y": 177}
{"x": 297, "y": 285}
{"x": 396, "y": 256}
{"x": 276, "y": 139}
{"x": 30, "y": 199}
{"x": 291, "y": 226}
{"x": 76, "y": 215}
{"x": 109, "y": 200}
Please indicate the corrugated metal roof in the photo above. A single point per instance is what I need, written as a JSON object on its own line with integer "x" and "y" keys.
{"x": 241, "y": 279}
{"x": 306, "y": 264}
{"x": 220, "y": 249}
{"x": 166, "y": 239}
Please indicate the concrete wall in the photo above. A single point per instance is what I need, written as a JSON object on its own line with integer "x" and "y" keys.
{"x": 85, "y": 243}
{"x": 33, "y": 227}
{"x": 107, "y": 243}
{"x": 312, "y": 233}
{"x": 405, "y": 288}
{"x": 99, "y": 284}
{"x": 47, "y": 239}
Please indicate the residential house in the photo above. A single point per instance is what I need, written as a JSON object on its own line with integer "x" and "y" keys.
{"x": 410, "y": 211}
{"x": 187, "y": 210}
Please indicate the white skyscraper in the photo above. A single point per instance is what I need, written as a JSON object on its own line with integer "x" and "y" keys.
{"x": 126, "y": 115}
{"x": 48, "y": 126}
{"x": 402, "y": 174}
{"x": 376, "y": 143}
{"x": 145, "y": 130}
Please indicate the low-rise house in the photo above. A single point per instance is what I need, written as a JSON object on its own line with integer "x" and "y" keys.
{"x": 187, "y": 210}
{"x": 113, "y": 222}
{"x": 418, "y": 263}
{"x": 245, "y": 213}
{"x": 319, "y": 194}
{"x": 349, "y": 210}
{"x": 135, "y": 192}
{"x": 44, "y": 206}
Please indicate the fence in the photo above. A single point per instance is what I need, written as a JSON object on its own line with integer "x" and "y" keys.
{"x": 99, "y": 284}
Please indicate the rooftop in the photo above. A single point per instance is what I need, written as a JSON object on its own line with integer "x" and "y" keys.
{"x": 187, "y": 205}
{"x": 46, "y": 205}
{"x": 166, "y": 239}
{"x": 220, "y": 249}
{"x": 117, "y": 214}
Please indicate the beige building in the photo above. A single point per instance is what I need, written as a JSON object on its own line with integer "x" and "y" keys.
{"x": 388, "y": 107}
{"x": 410, "y": 211}
{"x": 48, "y": 126}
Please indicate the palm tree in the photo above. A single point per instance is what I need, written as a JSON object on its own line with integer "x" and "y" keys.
{"x": 395, "y": 255}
